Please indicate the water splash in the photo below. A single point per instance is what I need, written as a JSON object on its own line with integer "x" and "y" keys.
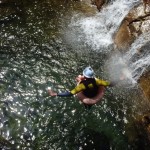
{"x": 97, "y": 31}
{"x": 118, "y": 70}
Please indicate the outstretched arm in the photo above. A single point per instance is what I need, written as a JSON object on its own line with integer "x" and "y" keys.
{"x": 63, "y": 94}
{"x": 76, "y": 90}
{"x": 102, "y": 82}
{"x": 112, "y": 83}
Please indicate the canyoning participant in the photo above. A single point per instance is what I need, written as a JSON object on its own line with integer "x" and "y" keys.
{"x": 89, "y": 89}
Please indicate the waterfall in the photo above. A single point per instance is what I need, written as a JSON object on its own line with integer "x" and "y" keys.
{"x": 97, "y": 31}
{"x": 133, "y": 63}
{"x": 138, "y": 56}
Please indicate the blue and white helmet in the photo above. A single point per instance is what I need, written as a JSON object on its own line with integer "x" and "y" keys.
{"x": 88, "y": 72}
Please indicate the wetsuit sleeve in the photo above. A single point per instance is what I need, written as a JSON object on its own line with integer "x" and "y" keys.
{"x": 76, "y": 90}
{"x": 102, "y": 82}
{"x": 80, "y": 87}
{"x": 64, "y": 94}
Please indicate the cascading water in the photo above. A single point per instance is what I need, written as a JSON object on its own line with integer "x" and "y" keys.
{"x": 138, "y": 56}
{"x": 133, "y": 64}
{"x": 97, "y": 31}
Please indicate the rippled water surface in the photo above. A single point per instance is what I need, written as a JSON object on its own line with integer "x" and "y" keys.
{"x": 38, "y": 49}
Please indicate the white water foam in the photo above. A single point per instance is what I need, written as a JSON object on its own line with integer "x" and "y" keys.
{"x": 97, "y": 31}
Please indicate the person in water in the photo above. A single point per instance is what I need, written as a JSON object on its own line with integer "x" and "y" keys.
{"x": 88, "y": 85}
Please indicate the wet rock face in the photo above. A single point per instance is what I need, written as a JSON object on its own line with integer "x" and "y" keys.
{"x": 146, "y": 4}
{"x": 134, "y": 24}
{"x": 98, "y": 3}
{"x": 145, "y": 84}
{"x": 123, "y": 37}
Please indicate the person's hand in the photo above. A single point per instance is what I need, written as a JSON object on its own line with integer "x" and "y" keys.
{"x": 79, "y": 78}
{"x": 50, "y": 92}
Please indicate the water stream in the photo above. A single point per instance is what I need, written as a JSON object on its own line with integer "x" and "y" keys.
{"x": 138, "y": 56}
{"x": 49, "y": 46}
{"x": 97, "y": 31}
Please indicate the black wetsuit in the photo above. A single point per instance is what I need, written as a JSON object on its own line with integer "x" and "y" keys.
{"x": 90, "y": 91}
